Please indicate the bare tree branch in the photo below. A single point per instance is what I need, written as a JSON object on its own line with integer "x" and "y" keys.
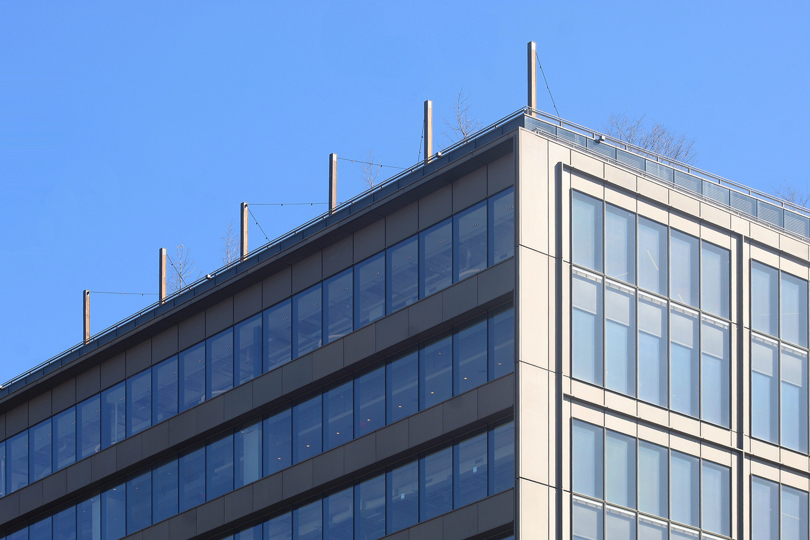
{"x": 230, "y": 245}
{"x": 461, "y": 126}
{"x": 182, "y": 268}
{"x": 792, "y": 193}
{"x": 658, "y": 138}
{"x": 370, "y": 171}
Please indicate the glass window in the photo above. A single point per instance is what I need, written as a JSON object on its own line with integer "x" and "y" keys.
{"x": 369, "y": 290}
{"x": 435, "y": 258}
{"x": 219, "y": 363}
{"x": 88, "y": 426}
{"x": 192, "y": 376}
{"x": 470, "y": 241}
{"x": 684, "y": 280}
{"x": 164, "y": 390}
{"x": 502, "y": 458}
{"x": 653, "y": 470}
{"x": 501, "y": 353}
{"x": 337, "y": 317}
{"x": 586, "y": 463}
{"x": 586, "y": 520}
{"x": 680, "y": 533}
{"x": 764, "y": 509}
{"x": 793, "y": 310}
{"x": 307, "y": 321}
{"x": 587, "y": 327}
{"x": 586, "y": 233}
{"x": 715, "y": 268}
{"x": 338, "y": 410}
{"x": 307, "y": 426}
{"x": 114, "y": 513}
{"x": 40, "y": 530}
{"x": 764, "y": 389}
{"x": 248, "y": 347}
{"x": 339, "y": 516}
{"x": 139, "y": 402}
{"x": 219, "y": 467}
{"x": 619, "y": 524}
{"x": 21, "y": 534}
{"x": 139, "y": 502}
{"x": 369, "y": 509}
{"x": 64, "y": 524}
{"x": 685, "y": 494}
{"x": 307, "y": 522}
{"x": 436, "y": 484}
{"x": 794, "y": 514}
{"x": 247, "y": 454}
{"x": 279, "y": 528}
{"x": 470, "y": 471}
{"x": 277, "y": 447}
{"x": 764, "y": 298}
{"x": 501, "y": 226}
{"x": 684, "y": 368}
{"x": 620, "y": 469}
{"x": 252, "y": 533}
{"x": 402, "y": 274}
{"x": 277, "y": 335}
{"x": 192, "y": 478}
{"x": 88, "y": 519}
{"x": 17, "y": 452}
{"x": 652, "y": 529}
{"x": 652, "y": 349}
{"x": 3, "y": 469}
{"x": 165, "y": 493}
{"x": 794, "y": 398}
{"x": 470, "y": 357}
{"x": 620, "y": 244}
{"x": 716, "y": 498}
{"x": 403, "y": 497}
{"x": 40, "y": 442}
{"x": 402, "y": 387}
{"x": 652, "y": 256}
{"x": 113, "y": 415}
{"x": 620, "y": 339}
{"x": 369, "y": 402}
{"x": 715, "y": 385}
{"x": 435, "y": 373}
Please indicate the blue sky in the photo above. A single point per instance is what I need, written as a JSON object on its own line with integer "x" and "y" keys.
{"x": 130, "y": 126}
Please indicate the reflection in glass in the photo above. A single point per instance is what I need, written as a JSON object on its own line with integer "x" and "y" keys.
{"x": 684, "y": 368}
{"x": 794, "y": 398}
{"x": 587, "y": 327}
{"x": 307, "y": 426}
{"x": 652, "y": 256}
{"x": 88, "y": 424}
{"x": 248, "y": 348}
{"x": 651, "y": 529}
{"x": 369, "y": 509}
{"x": 715, "y": 383}
{"x": 435, "y": 373}
{"x": 219, "y": 363}
{"x": 684, "y": 274}
{"x": 403, "y": 497}
{"x": 338, "y": 413}
{"x": 435, "y": 258}
{"x": 620, "y": 244}
{"x": 620, "y": 339}
{"x": 620, "y": 469}
{"x": 652, "y": 349}
{"x": 469, "y": 241}
{"x": 764, "y": 389}
{"x": 192, "y": 478}
{"x": 247, "y": 454}
{"x": 501, "y": 226}
{"x": 306, "y": 321}
{"x": 794, "y": 514}
{"x": 369, "y": 290}
{"x": 139, "y": 402}
{"x": 164, "y": 390}
{"x": 586, "y": 519}
{"x": 114, "y": 513}
{"x": 764, "y": 298}
{"x": 764, "y": 509}
{"x": 716, "y": 498}
{"x": 619, "y": 524}
{"x": 653, "y": 472}
{"x": 338, "y": 303}
{"x": 470, "y": 470}
{"x": 793, "y": 310}
{"x": 64, "y": 440}
{"x": 402, "y": 387}
{"x": 436, "y": 484}
{"x": 277, "y": 347}
{"x": 586, "y": 234}
{"x": 470, "y": 357}
{"x": 307, "y": 522}
{"x": 139, "y": 502}
{"x": 501, "y": 353}
{"x": 685, "y": 489}
{"x": 277, "y": 435}
{"x": 715, "y": 268}
{"x": 40, "y": 451}
{"x": 192, "y": 376}
{"x": 219, "y": 467}
{"x": 338, "y": 515}
{"x": 402, "y": 274}
{"x": 502, "y": 458}
{"x": 369, "y": 402}
{"x": 165, "y": 490}
{"x": 113, "y": 415}
{"x": 587, "y": 459}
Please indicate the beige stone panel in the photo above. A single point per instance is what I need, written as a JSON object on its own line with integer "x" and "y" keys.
{"x": 684, "y": 424}
{"x": 552, "y": 431}
{"x": 566, "y": 443}
{"x": 740, "y": 225}
{"x": 587, "y": 414}
{"x": 621, "y": 425}
{"x": 764, "y": 471}
{"x": 553, "y": 525}
{"x": 792, "y": 267}
{"x": 744, "y": 278}
{"x": 566, "y": 513}
{"x": 534, "y": 516}
{"x": 764, "y": 450}
{"x": 653, "y": 190}
{"x": 620, "y": 403}
{"x": 533, "y": 423}
{"x": 685, "y": 225}
{"x": 746, "y": 444}
{"x": 652, "y": 212}
{"x": 687, "y": 446}
{"x": 620, "y": 177}
{"x": 793, "y": 246}
{"x": 651, "y": 413}
{"x": 587, "y": 164}
{"x": 588, "y": 392}
{"x": 684, "y": 203}
{"x": 533, "y": 307}
{"x": 586, "y": 185}
{"x": 715, "y": 237}
{"x": 554, "y": 359}
{"x": 533, "y": 207}
{"x": 716, "y": 434}
{"x": 716, "y": 455}
{"x": 620, "y": 199}
{"x": 653, "y": 435}
{"x": 715, "y": 215}
{"x": 767, "y": 236}
{"x": 764, "y": 256}
{"x": 565, "y": 323}
{"x": 793, "y": 459}
{"x": 794, "y": 480}
{"x": 565, "y": 217}
{"x": 566, "y": 385}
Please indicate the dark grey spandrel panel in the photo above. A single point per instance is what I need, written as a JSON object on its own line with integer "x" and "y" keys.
{"x": 425, "y": 314}
{"x": 9, "y": 507}
{"x": 461, "y": 523}
{"x": 296, "y": 374}
{"x": 50, "y": 368}
{"x": 267, "y": 491}
{"x": 277, "y": 287}
{"x": 410, "y": 179}
{"x": 496, "y": 511}
{"x": 17, "y": 419}
{"x": 237, "y": 402}
{"x": 88, "y": 348}
{"x": 135, "y": 536}
{"x": 327, "y": 359}
{"x": 307, "y": 272}
{"x": 157, "y": 532}
{"x": 425, "y": 426}
{"x": 78, "y": 475}
{"x": 238, "y": 503}
{"x": 496, "y": 281}
{"x": 210, "y": 515}
{"x": 113, "y": 371}
{"x": 359, "y": 453}
{"x": 496, "y": 396}
{"x": 297, "y": 479}
{"x": 129, "y": 451}
{"x": 102, "y": 464}
{"x": 219, "y": 317}
{"x": 183, "y": 526}
{"x": 470, "y": 189}
{"x": 328, "y": 466}
{"x": 316, "y": 227}
{"x": 359, "y": 345}
{"x": 268, "y": 253}
{"x": 384, "y": 192}
{"x": 106, "y": 338}
{"x": 391, "y": 330}
{"x": 156, "y": 439}
{"x": 39, "y": 408}
{"x": 54, "y": 486}
{"x": 369, "y": 240}
{"x": 246, "y": 264}
{"x": 163, "y": 308}
{"x": 247, "y": 302}
{"x": 267, "y": 388}
{"x": 164, "y": 344}
{"x": 183, "y": 298}
{"x": 435, "y": 207}
{"x": 501, "y": 174}
{"x": 340, "y": 215}
{"x": 144, "y": 318}
{"x": 429, "y": 530}
{"x": 88, "y": 383}
{"x": 392, "y": 439}
{"x": 183, "y": 426}
{"x": 30, "y": 497}
{"x": 210, "y": 414}
{"x": 191, "y": 330}
{"x": 401, "y": 535}
{"x": 460, "y": 411}
{"x": 138, "y": 357}
{"x": 402, "y": 224}
{"x": 434, "y": 165}
{"x": 460, "y": 298}
{"x": 338, "y": 256}
{"x": 2, "y": 426}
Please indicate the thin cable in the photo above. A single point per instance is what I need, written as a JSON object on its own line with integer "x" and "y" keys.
{"x": 287, "y": 204}
{"x": 257, "y": 224}
{"x": 421, "y": 138}
{"x": 536, "y": 57}
{"x": 180, "y": 275}
{"x": 135, "y": 293}
{"x": 375, "y": 164}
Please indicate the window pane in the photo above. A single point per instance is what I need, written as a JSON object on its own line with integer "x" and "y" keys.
{"x": 64, "y": 439}
{"x": 307, "y": 522}
{"x": 716, "y": 280}
{"x": 684, "y": 278}
{"x": 139, "y": 402}
{"x": 764, "y": 298}
{"x": 64, "y": 524}
{"x": 403, "y": 497}
{"x": 501, "y": 226}
{"x": 652, "y": 256}
{"x": 3, "y": 469}
{"x": 652, "y": 349}
{"x": 470, "y": 357}
{"x": 40, "y": 442}
{"x": 247, "y": 455}
{"x": 369, "y": 402}
{"x": 307, "y": 426}
{"x": 89, "y": 426}
{"x": 794, "y": 399}
{"x": 369, "y": 290}
{"x": 436, "y": 484}
{"x": 653, "y": 470}
{"x": 248, "y": 346}
{"x": 502, "y": 458}
{"x": 619, "y": 524}
{"x": 620, "y": 469}
{"x": 716, "y": 497}
{"x": 587, "y": 327}
{"x": 620, "y": 339}
{"x": 470, "y": 241}
{"x": 620, "y": 244}
{"x": 794, "y": 310}
{"x": 338, "y": 516}
{"x": 337, "y": 317}
{"x": 88, "y": 519}
{"x": 307, "y": 321}
{"x": 435, "y": 373}
{"x": 279, "y": 528}
{"x": 251, "y": 533}
{"x": 192, "y": 376}
{"x": 402, "y": 274}
{"x": 113, "y": 513}
{"x": 679, "y": 533}
{"x": 192, "y": 479}
{"x": 651, "y": 529}
{"x": 277, "y": 335}
{"x": 435, "y": 258}
{"x": 41, "y": 530}
{"x": 684, "y": 368}
{"x": 501, "y": 343}
{"x": 113, "y": 415}
{"x": 586, "y": 231}
{"x": 17, "y": 448}
{"x": 685, "y": 495}
{"x": 764, "y": 389}
{"x": 219, "y": 467}
{"x": 338, "y": 409}
{"x": 165, "y": 493}
{"x": 587, "y": 459}
{"x": 716, "y": 386}
{"x": 219, "y": 363}
{"x": 794, "y": 514}
{"x": 764, "y": 509}
{"x": 139, "y": 502}
{"x": 402, "y": 387}
{"x": 586, "y": 519}
{"x": 369, "y": 509}
{"x": 164, "y": 389}
{"x": 277, "y": 434}
{"x": 470, "y": 471}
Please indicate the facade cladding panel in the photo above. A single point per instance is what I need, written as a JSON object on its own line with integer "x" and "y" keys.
{"x": 534, "y": 341}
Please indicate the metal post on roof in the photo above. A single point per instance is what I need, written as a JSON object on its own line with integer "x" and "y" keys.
{"x": 332, "y": 182}
{"x": 86, "y": 314}
{"x": 243, "y": 231}
{"x": 428, "y": 128}
{"x": 532, "y": 52}
{"x": 162, "y": 275}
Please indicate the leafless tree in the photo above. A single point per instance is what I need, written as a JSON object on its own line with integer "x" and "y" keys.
{"x": 792, "y": 193}
{"x": 230, "y": 245}
{"x": 461, "y": 125}
{"x": 370, "y": 171}
{"x": 658, "y": 138}
{"x": 181, "y": 269}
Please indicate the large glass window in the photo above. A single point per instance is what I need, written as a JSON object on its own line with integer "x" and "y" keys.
{"x": 338, "y": 302}
{"x": 139, "y": 502}
{"x": 114, "y": 513}
{"x": 586, "y": 233}
{"x": 39, "y": 439}
{"x": 338, "y": 510}
{"x": 586, "y": 521}
{"x": 619, "y": 524}
{"x": 64, "y": 439}
{"x": 277, "y": 335}
{"x": 369, "y": 402}
{"x": 470, "y": 472}
{"x": 470, "y": 357}
{"x": 620, "y": 244}
{"x": 192, "y": 376}
{"x": 402, "y": 274}
{"x": 765, "y": 388}
{"x": 794, "y": 398}
{"x": 164, "y": 390}
{"x": 715, "y": 372}
{"x": 338, "y": 410}
{"x": 586, "y": 346}
{"x": 652, "y": 349}
{"x": 501, "y": 346}
{"x": 113, "y": 415}
{"x": 684, "y": 365}
{"x": 307, "y": 426}
{"x": 653, "y": 470}
{"x": 716, "y": 498}
{"x": 793, "y": 310}
{"x": 248, "y": 348}
{"x": 587, "y": 458}
{"x": 192, "y": 478}
{"x": 219, "y": 363}
{"x": 436, "y": 258}
{"x": 219, "y": 467}
{"x": 403, "y": 497}
{"x": 165, "y": 490}
{"x": 436, "y": 484}
{"x": 764, "y": 299}
{"x": 502, "y": 458}
{"x": 501, "y": 226}
{"x": 764, "y": 509}
{"x": 307, "y": 522}
{"x": 64, "y": 524}
{"x": 684, "y": 283}
{"x": 139, "y": 402}
{"x": 369, "y": 290}
{"x": 88, "y": 426}
{"x": 435, "y": 373}
{"x": 277, "y": 433}
{"x": 247, "y": 454}
{"x": 620, "y": 338}
{"x": 715, "y": 268}
{"x": 402, "y": 387}
{"x": 685, "y": 489}
{"x": 620, "y": 469}
{"x": 652, "y": 256}
{"x": 307, "y": 321}
{"x": 369, "y": 509}
{"x": 794, "y": 514}
{"x": 470, "y": 241}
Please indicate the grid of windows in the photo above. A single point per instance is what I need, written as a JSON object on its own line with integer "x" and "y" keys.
{"x": 778, "y": 512}
{"x": 643, "y": 326}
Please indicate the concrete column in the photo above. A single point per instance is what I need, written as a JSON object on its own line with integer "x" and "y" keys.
{"x": 86, "y": 314}
{"x": 243, "y": 231}
{"x": 532, "y": 51}
{"x": 428, "y": 130}
{"x": 162, "y": 275}
{"x": 332, "y": 182}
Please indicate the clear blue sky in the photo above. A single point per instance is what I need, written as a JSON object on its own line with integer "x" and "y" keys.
{"x": 130, "y": 126}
